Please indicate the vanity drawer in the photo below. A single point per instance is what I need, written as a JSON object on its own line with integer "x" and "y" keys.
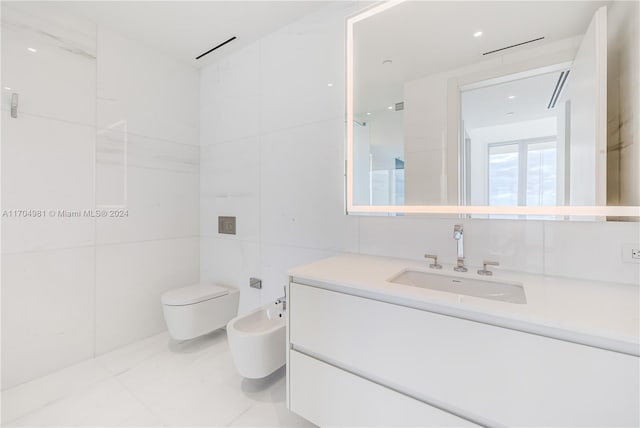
{"x": 489, "y": 374}
{"x": 329, "y": 396}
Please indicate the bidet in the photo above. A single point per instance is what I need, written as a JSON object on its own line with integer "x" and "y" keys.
{"x": 257, "y": 341}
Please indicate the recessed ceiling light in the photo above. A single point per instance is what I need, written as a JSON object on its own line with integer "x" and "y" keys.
{"x": 511, "y": 113}
{"x": 387, "y": 61}
{"x": 368, "y": 113}
{"x": 330, "y": 84}
{"x": 6, "y": 88}
{"x": 477, "y": 34}
{"x": 32, "y": 50}
{"x": 390, "y": 108}
{"x": 511, "y": 97}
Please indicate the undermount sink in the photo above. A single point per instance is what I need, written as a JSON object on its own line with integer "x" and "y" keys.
{"x": 493, "y": 290}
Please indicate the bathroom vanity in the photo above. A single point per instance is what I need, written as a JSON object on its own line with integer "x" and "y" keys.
{"x": 366, "y": 349}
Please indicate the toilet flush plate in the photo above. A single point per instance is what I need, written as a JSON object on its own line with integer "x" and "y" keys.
{"x": 227, "y": 225}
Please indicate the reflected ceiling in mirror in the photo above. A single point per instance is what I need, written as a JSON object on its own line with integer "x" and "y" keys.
{"x": 494, "y": 108}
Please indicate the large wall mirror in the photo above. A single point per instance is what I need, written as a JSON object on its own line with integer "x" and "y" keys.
{"x": 495, "y": 109}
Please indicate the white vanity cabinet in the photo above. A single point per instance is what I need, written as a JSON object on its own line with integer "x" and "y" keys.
{"x": 329, "y": 396}
{"x": 359, "y": 361}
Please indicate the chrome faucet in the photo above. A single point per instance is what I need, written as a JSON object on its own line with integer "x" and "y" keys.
{"x": 283, "y": 299}
{"x": 458, "y": 235}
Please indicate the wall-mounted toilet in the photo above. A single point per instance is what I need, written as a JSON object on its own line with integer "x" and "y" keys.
{"x": 198, "y": 309}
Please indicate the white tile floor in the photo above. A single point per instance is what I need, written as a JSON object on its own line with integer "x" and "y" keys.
{"x": 155, "y": 382}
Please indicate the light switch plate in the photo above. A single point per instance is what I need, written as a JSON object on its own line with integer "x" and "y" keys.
{"x": 227, "y": 225}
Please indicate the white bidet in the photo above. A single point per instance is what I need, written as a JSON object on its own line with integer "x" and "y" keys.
{"x": 258, "y": 341}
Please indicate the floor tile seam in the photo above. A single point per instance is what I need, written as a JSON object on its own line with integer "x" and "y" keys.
{"x": 139, "y": 400}
{"x": 251, "y": 405}
{"x": 61, "y": 398}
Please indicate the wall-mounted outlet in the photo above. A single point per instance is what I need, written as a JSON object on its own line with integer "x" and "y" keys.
{"x": 631, "y": 253}
{"x": 227, "y": 225}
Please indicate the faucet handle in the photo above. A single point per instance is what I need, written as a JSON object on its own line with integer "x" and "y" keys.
{"x": 484, "y": 270}
{"x": 435, "y": 264}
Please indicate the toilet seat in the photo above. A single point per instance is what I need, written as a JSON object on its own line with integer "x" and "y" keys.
{"x": 193, "y": 294}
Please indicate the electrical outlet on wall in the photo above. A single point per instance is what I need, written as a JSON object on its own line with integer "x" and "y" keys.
{"x": 631, "y": 253}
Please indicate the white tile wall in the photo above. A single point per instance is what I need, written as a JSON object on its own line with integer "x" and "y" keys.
{"x": 155, "y": 95}
{"x": 89, "y": 101}
{"x": 293, "y": 212}
{"x": 46, "y": 164}
{"x": 161, "y": 204}
{"x": 301, "y": 201}
{"x": 297, "y": 64}
{"x": 235, "y": 109}
{"x": 517, "y": 245}
{"x": 230, "y": 185}
{"x": 148, "y": 107}
{"x": 47, "y": 312}
{"x": 272, "y": 155}
{"x": 231, "y": 262}
{"x": 130, "y": 278}
{"x": 591, "y": 250}
{"x": 66, "y": 52}
{"x": 277, "y": 259}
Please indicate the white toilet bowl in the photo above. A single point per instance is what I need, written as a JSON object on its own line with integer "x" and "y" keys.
{"x": 258, "y": 341}
{"x": 198, "y": 309}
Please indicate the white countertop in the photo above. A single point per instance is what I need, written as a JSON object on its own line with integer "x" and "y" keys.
{"x": 605, "y": 315}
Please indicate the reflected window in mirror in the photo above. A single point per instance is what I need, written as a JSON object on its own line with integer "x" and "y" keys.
{"x": 523, "y": 173}
{"x": 514, "y": 137}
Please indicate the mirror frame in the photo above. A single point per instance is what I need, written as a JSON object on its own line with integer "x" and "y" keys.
{"x": 351, "y": 208}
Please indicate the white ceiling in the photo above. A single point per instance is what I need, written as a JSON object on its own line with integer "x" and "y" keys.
{"x": 491, "y": 105}
{"x": 186, "y": 29}
{"x": 423, "y": 38}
